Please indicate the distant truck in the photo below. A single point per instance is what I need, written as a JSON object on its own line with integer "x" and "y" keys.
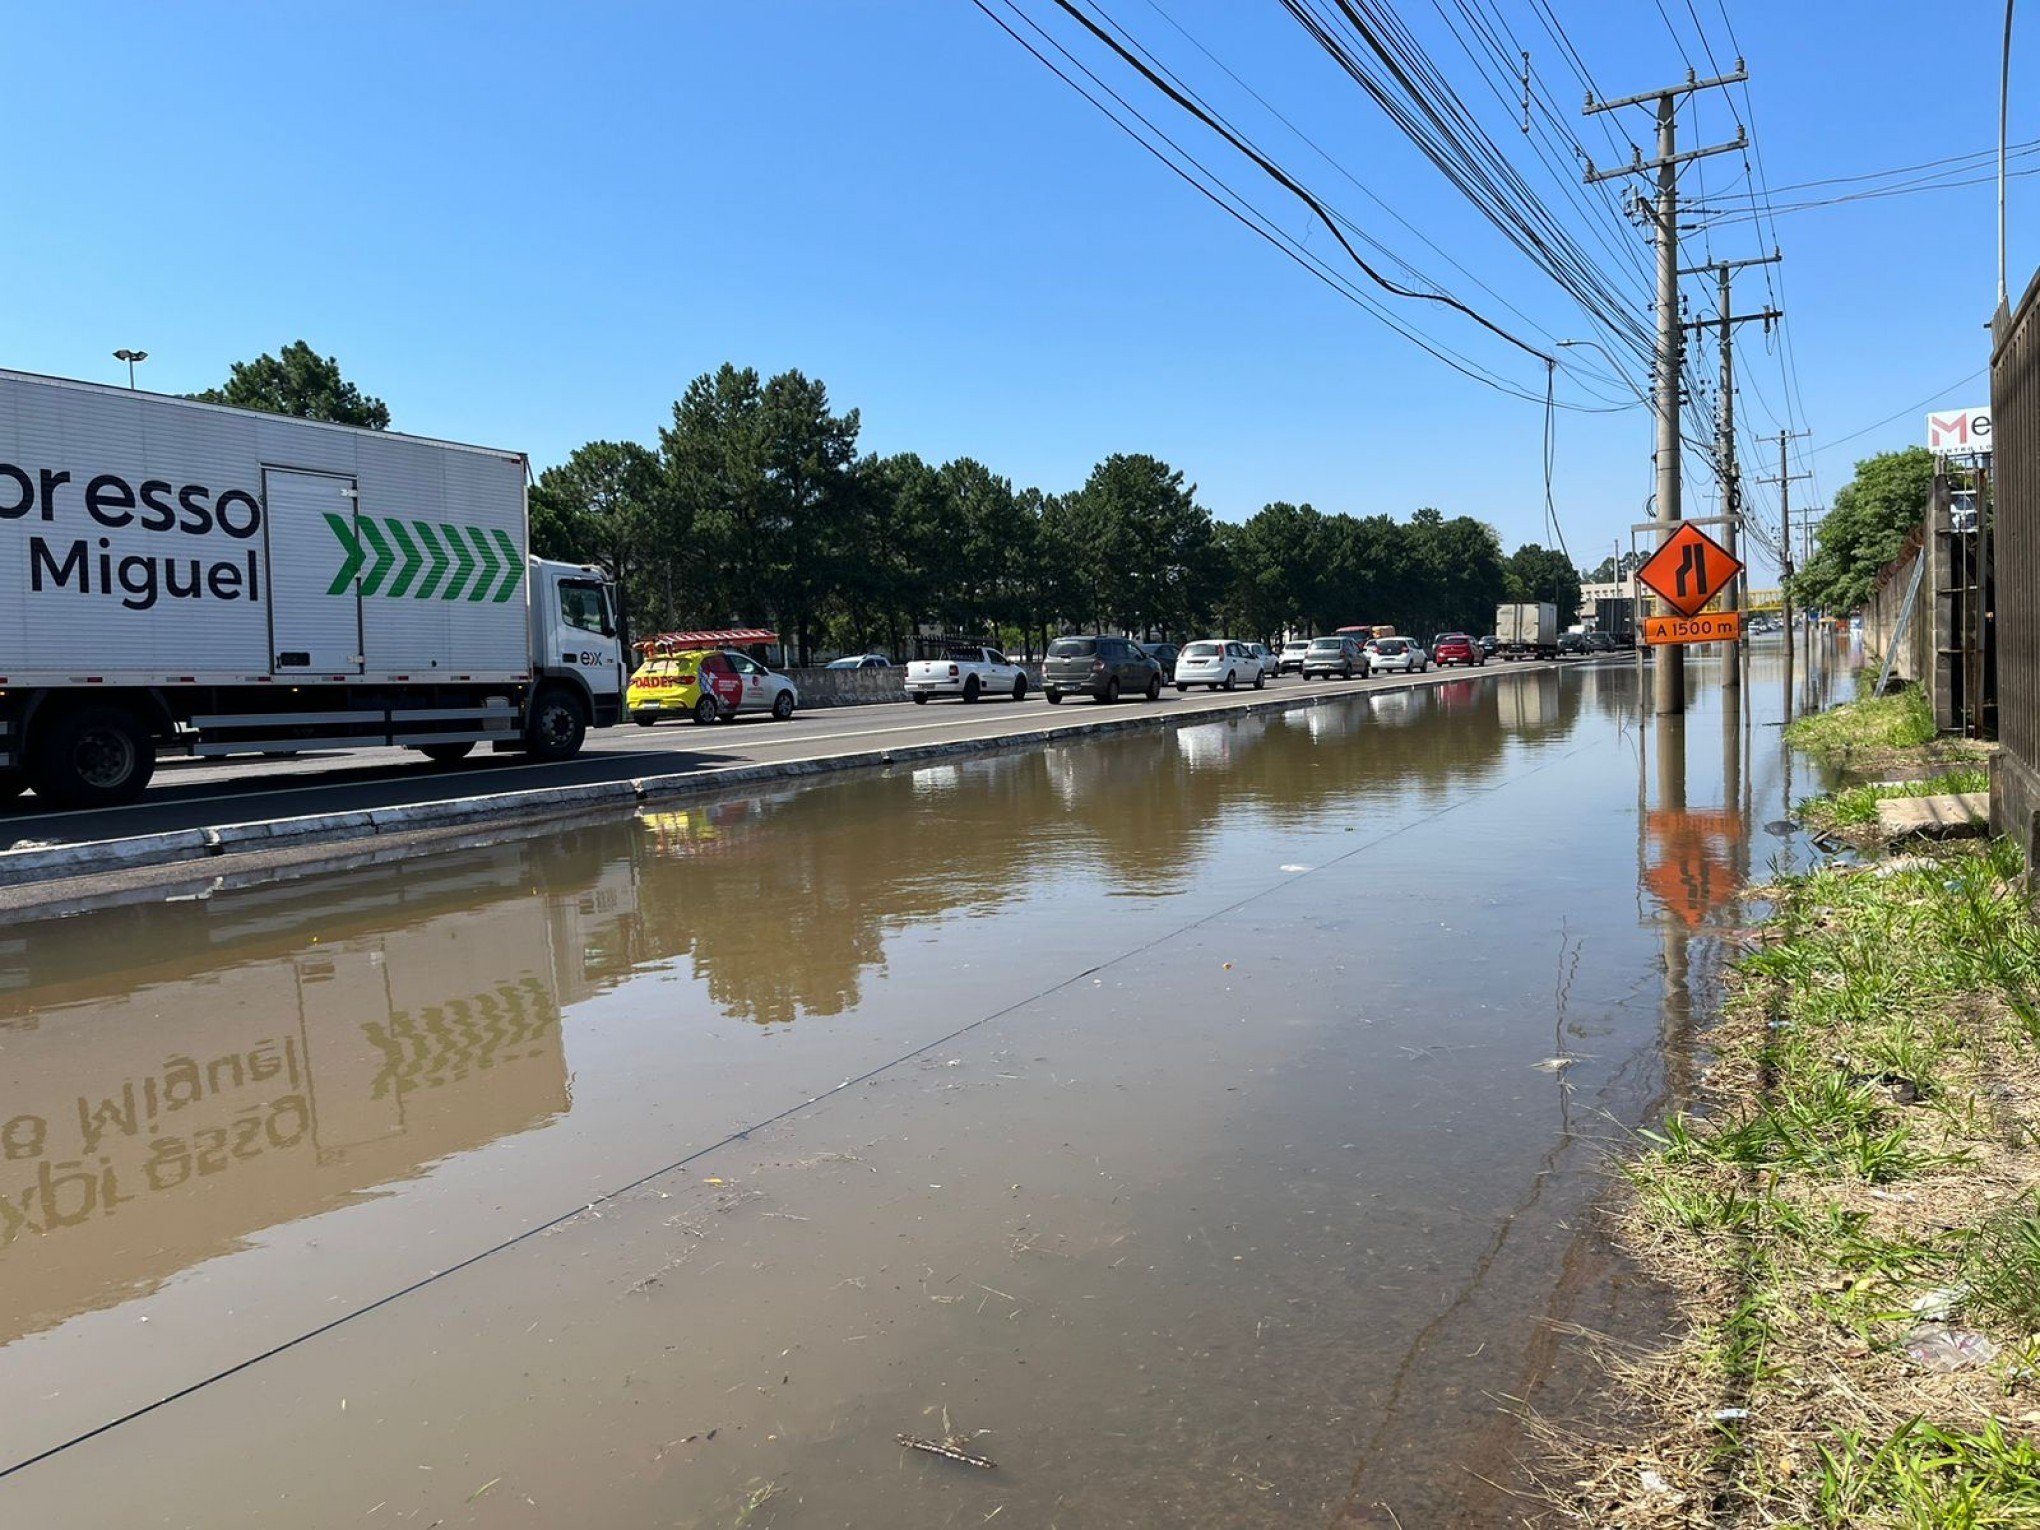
{"x": 969, "y": 672}
{"x": 1527, "y": 631}
{"x": 1615, "y": 615}
{"x": 184, "y": 577}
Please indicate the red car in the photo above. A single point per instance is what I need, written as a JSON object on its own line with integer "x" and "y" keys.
{"x": 1456, "y": 648}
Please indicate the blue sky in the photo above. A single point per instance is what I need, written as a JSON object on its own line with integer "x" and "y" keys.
{"x": 529, "y": 226}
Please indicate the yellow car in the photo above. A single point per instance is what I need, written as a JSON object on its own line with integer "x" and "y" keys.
{"x": 699, "y": 683}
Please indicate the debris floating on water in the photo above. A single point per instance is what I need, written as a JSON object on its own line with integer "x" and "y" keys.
{"x": 950, "y": 1450}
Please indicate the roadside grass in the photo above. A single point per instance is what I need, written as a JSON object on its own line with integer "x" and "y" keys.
{"x": 1864, "y": 1154}
{"x": 1856, "y": 806}
{"x": 1881, "y": 733}
{"x": 1900, "y": 721}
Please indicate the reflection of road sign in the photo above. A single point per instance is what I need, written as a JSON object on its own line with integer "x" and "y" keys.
{"x": 1689, "y": 569}
{"x": 1708, "y": 627}
{"x": 1692, "y": 861}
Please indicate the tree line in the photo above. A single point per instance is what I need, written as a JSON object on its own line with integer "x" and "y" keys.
{"x": 757, "y": 508}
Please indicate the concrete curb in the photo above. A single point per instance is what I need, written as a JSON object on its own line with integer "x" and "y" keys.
{"x": 66, "y": 862}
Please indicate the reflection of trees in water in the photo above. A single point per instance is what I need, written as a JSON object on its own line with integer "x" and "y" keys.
{"x": 782, "y": 903}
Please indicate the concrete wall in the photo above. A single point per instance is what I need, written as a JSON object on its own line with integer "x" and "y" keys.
{"x": 862, "y": 687}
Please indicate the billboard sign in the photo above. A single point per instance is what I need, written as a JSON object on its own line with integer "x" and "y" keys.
{"x": 1959, "y": 432}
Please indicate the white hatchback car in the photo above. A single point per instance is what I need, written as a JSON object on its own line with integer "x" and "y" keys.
{"x": 765, "y": 690}
{"x": 1396, "y": 655}
{"x": 1219, "y": 663}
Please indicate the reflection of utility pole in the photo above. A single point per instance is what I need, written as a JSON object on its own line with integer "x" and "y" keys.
{"x": 1731, "y": 484}
{"x": 1669, "y": 686}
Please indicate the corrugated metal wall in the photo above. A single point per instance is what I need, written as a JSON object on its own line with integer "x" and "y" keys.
{"x": 1914, "y": 662}
{"x": 2015, "y": 552}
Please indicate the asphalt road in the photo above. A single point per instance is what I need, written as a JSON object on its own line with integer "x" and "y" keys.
{"x": 195, "y": 793}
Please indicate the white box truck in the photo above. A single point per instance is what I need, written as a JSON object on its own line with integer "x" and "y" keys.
{"x": 1527, "y": 631}
{"x": 178, "y": 576}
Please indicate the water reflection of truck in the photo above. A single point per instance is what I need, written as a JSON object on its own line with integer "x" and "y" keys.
{"x": 264, "y": 1075}
{"x": 1528, "y": 630}
{"x": 1528, "y": 703}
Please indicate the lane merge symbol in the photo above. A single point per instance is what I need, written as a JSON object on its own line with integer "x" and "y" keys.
{"x": 1689, "y": 569}
{"x": 376, "y": 548}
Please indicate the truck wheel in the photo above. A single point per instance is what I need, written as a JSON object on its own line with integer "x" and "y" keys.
{"x": 1019, "y": 687}
{"x": 970, "y": 690}
{"x": 782, "y": 705}
{"x": 704, "y": 710}
{"x": 94, "y": 757}
{"x": 556, "y": 726}
{"x": 446, "y": 754}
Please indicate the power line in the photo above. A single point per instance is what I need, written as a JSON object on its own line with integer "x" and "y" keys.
{"x": 1402, "y": 80}
{"x": 1938, "y": 393}
{"x": 1788, "y": 362}
{"x": 1719, "y": 216}
{"x": 1236, "y": 206}
{"x": 1348, "y": 175}
{"x": 1964, "y": 161}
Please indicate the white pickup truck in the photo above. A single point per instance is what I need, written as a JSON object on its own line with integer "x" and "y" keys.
{"x": 966, "y": 672}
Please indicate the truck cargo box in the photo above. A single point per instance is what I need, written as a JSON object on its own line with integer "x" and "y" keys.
{"x": 152, "y": 540}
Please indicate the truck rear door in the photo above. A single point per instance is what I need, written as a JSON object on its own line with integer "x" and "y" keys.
{"x": 320, "y": 566}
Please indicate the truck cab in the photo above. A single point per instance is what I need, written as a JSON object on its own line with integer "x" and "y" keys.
{"x": 576, "y": 639}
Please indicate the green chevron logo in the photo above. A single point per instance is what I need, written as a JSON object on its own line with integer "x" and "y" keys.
{"x": 400, "y": 559}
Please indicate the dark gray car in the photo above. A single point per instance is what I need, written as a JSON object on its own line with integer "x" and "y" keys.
{"x": 1103, "y": 668}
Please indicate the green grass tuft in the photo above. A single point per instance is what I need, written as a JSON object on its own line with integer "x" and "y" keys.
{"x": 1924, "y": 1476}
{"x": 1902, "y": 721}
{"x": 1855, "y": 805}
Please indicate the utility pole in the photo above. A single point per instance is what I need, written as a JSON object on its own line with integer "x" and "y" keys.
{"x": 1669, "y": 686}
{"x": 1724, "y": 322}
{"x": 1784, "y": 481}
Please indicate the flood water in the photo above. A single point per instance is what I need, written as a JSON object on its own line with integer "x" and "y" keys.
{"x": 1203, "y": 1125}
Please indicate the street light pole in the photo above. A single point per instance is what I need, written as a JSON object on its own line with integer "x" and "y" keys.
{"x": 130, "y": 357}
{"x": 1641, "y": 397}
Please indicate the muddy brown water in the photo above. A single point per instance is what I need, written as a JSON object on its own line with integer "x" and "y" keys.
{"x": 1173, "y": 1120}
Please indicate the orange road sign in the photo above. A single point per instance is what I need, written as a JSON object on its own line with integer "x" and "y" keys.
{"x": 1689, "y": 569}
{"x": 1710, "y": 627}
